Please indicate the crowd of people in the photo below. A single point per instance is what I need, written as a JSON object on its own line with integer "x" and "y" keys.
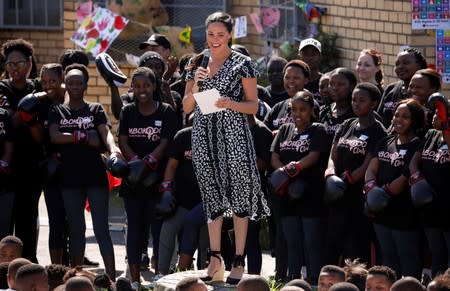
{"x": 341, "y": 165}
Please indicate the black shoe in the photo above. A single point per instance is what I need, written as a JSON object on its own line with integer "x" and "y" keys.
{"x": 219, "y": 274}
{"x": 145, "y": 262}
{"x": 90, "y": 263}
{"x": 238, "y": 262}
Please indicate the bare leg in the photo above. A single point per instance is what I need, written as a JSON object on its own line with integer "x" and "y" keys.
{"x": 214, "y": 233}
{"x": 240, "y": 232}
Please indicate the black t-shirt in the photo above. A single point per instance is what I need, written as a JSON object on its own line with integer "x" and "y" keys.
{"x": 393, "y": 161}
{"x": 6, "y": 135}
{"x": 332, "y": 124}
{"x": 435, "y": 167}
{"x": 279, "y": 115}
{"x": 293, "y": 146}
{"x": 391, "y": 96}
{"x": 275, "y": 97}
{"x": 262, "y": 140}
{"x": 187, "y": 191}
{"x": 81, "y": 165}
{"x": 313, "y": 87}
{"x": 353, "y": 145}
{"x": 145, "y": 133}
{"x": 27, "y": 152}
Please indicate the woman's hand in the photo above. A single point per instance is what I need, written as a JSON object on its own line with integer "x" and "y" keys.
{"x": 225, "y": 102}
{"x": 200, "y": 75}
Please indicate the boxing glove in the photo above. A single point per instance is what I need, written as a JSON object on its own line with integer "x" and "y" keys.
{"x": 335, "y": 188}
{"x": 167, "y": 205}
{"x": 110, "y": 72}
{"x": 150, "y": 161}
{"x": 440, "y": 103}
{"x": 80, "y": 137}
{"x": 49, "y": 167}
{"x": 150, "y": 179}
{"x": 137, "y": 171}
{"x": 279, "y": 181}
{"x": 296, "y": 188}
{"x": 377, "y": 199}
{"x": 117, "y": 166}
{"x": 28, "y": 109}
{"x": 421, "y": 192}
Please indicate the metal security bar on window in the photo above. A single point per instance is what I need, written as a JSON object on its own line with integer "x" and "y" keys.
{"x": 29, "y": 14}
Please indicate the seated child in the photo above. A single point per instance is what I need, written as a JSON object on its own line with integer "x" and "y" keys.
{"x": 380, "y": 278}
{"x": 330, "y": 275}
{"x": 14, "y": 265}
{"x": 190, "y": 284}
{"x": 253, "y": 283}
{"x": 79, "y": 283}
{"x": 31, "y": 277}
{"x": 407, "y": 284}
{"x": 10, "y": 248}
{"x": 55, "y": 273}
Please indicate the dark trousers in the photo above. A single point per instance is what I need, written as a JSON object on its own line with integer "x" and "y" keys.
{"x": 56, "y": 215}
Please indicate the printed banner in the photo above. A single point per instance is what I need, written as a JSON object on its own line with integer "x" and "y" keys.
{"x": 99, "y": 30}
{"x": 240, "y": 27}
{"x": 430, "y": 14}
{"x": 443, "y": 54}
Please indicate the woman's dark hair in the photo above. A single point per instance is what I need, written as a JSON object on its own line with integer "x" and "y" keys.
{"x": 55, "y": 67}
{"x": 24, "y": 47}
{"x": 308, "y": 98}
{"x": 73, "y": 56}
{"x": 145, "y": 57}
{"x": 420, "y": 59}
{"x": 348, "y": 74}
{"x": 221, "y": 17}
{"x": 299, "y": 64}
{"x": 80, "y": 67}
{"x": 417, "y": 113}
{"x": 372, "y": 89}
{"x": 433, "y": 76}
{"x": 148, "y": 73}
{"x": 376, "y": 57}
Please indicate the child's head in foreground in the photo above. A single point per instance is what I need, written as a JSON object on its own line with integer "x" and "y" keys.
{"x": 380, "y": 278}
{"x": 10, "y": 248}
{"x": 31, "y": 277}
{"x": 330, "y": 275}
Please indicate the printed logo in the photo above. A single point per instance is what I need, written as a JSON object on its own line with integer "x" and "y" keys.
{"x": 188, "y": 155}
{"x": 355, "y": 146}
{"x": 280, "y": 121}
{"x": 151, "y": 133}
{"x": 2, "y": 128}
{"x": 300, "y": 146}
{"x": 440, "y": 156}
{"x": 331, "y": 129}
{"x": 79, "y": 123}
{"x": 395, "y": 159}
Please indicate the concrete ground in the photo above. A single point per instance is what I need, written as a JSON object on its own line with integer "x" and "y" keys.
{"x": 117, "y": 229}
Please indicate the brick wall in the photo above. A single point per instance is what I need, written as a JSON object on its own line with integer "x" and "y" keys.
{"x": 383, "y": 24}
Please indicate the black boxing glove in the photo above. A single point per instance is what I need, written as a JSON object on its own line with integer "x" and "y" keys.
{"x": 296, "y": 188}
{"x": 150, "y": 179}
{"x": 150, "y": 161}
{"x": 335, "y": 188}
{"x": 117, "y": 166}
{"x": 377, "y": 199}
{"x": 80, "y": 137}
{"x": 279, "y": 181}
{"x": 137, "y": 171}
{"x": 167, "y": 205}
{"x": 440, "y": 103}
{"x": 421, "y": 192}
{"x": 28, "y": 109}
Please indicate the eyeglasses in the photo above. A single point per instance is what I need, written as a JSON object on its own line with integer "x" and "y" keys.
{"x": 19, "y": 64}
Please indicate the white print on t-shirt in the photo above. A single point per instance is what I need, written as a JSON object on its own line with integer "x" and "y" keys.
{"x": 331, "y": 129}
{"x": 80, "y": 122}
{"x": 355, "y": 146}
{"x": 280, "y": 121}
{"x": 188, "y": 155}
{"x": 396, "y": 159}
{"x": 300, "y": 146}
{"x": 390, "y": 105}
{"x": 2, "y": 128}
{"x": 151, "y": 133}
{"x": 439, "y": 157}
{"x": 363, "y": 137}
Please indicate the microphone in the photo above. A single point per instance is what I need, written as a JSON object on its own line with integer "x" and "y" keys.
{"x": 204, "y": 63}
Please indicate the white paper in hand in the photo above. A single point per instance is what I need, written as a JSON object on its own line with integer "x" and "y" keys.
{"x": 206, "y": 101}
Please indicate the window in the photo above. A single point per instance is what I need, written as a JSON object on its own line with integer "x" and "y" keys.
{"x": 292, "y": 25}
{"x": 29, "y": 14}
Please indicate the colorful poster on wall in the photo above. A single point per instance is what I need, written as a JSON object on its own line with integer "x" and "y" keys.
{"x": 443, "y": 54}
{"x": 240, "y": 26}
{"x": 99, "y": 30}
{"x": 430, "y": 14}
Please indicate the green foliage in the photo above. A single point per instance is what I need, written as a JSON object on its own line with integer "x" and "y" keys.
{"x": 330, "y": 54}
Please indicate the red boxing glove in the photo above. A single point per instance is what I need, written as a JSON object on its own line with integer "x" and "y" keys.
{"x": 4, "y": 168}
{"x": 80, "y": 137}
{"x": 292, "y": 169}
{"x": 415, "y": 177}
{"x": 167, "y": 186}
{"x": 347, "y": 177}
{"x": 150, "y": 161}
{"x": 369, "y": 185}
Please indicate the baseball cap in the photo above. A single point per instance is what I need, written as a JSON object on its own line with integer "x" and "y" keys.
{"x": 310, "y": 41}
{"x": 156, "y": 39}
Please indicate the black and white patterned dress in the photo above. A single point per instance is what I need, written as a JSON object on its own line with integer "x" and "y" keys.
{"x": 222, "y": 148}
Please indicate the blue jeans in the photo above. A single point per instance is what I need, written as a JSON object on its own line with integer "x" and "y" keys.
{"x": 194, "y": 220}
{"x": 6, "y": 206}
{"x": 400, "y": 250}
{"x": 253, "y": 248}
{"x": 56, "y": 215}
{"x": 311, "y": 244}
{"x": 439, "y": 244}
{"x": 140, "y": 214}
{"x": 74, "y": 203}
